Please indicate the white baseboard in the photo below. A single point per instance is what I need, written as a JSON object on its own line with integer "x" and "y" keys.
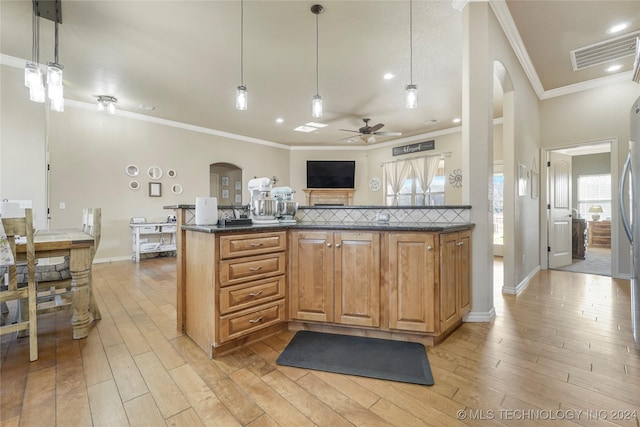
{"x": 479, "y": 317}
{"x": 523, "y": 284}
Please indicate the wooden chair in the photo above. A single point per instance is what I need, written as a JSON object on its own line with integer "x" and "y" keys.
{"x": 54, "y": 295}
{"x": 22, "y": 227}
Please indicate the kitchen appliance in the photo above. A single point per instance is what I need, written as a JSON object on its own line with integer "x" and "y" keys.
{"x": 286, "y": 207}
{"x": 263, "y": 207}
{"x": 206, "y": 210}
{"x": 631, "y": 223}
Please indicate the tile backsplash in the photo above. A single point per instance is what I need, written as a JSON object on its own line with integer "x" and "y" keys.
{"x": 346, "y": 214}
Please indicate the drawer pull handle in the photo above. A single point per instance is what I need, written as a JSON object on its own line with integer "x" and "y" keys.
{"x": 255, "y": 245}
{"x": 258, "y": 320}
{"x": 258, "y": 268}
{"x": 429, "y": 248}
{"x": 460, "y": 243}
{"x": 255, "y": 294}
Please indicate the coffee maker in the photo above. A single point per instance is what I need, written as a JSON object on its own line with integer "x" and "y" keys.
{"x": 286, "y": 207}
{"x": 263, "y": 207}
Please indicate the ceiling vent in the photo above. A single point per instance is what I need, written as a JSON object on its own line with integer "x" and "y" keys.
{"x": 609, "y": 50}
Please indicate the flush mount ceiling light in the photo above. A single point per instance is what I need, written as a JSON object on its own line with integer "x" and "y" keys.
{"x": 412, "y": 90}
{"x": 107, "y": 103}
{"x": 241, "y": 91}
{"x": 316, "y": 101}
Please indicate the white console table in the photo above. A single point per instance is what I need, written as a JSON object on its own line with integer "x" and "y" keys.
{"x": 150, "y": 238}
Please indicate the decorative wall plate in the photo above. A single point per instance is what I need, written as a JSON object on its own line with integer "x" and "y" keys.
{"x": 374, "y": 184}
{"x": 132, "y": 170}
{"x": 455, "y": 178}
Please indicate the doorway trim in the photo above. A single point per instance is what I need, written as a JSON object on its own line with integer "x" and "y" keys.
{"x": 615, "y": 220}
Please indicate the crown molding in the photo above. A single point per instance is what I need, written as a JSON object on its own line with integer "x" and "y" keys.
{"x": 589, "y": 84}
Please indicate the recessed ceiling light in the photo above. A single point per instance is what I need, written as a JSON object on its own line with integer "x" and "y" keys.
{"x": 146, "y": 107}
{"x": 388, "y": 76}
{"x": 316, "y": 125}
{"x": 456, "y": 120}
{"x": 617, "y": 28}
{"x": 305, "y": 129}
{"x": 613, "y": 68}
{"x": 279, "y": 120}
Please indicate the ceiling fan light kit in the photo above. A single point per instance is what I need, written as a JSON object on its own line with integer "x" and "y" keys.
{"x": 107, "y": 103}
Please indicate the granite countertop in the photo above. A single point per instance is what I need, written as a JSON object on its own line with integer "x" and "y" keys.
{"x": 380, "y": 226}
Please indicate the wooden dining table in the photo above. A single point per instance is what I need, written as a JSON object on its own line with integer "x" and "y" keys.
{"x": 77, "y": 245}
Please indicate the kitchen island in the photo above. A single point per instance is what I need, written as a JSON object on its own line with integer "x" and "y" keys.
{"x": 405, "y": 281}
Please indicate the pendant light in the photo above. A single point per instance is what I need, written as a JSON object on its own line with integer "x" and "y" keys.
{"x": 32, "y": 72}
{"x": 54, "y": 72}
{"x": 412, "y": 90}
{"x": 316, "y": 102}
{"x": 241, "y": 91}
{"x": 107, "y": 103}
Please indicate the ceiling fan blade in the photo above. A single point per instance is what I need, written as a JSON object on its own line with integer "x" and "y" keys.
{"x": 376, "y": 127}
{"x": 388, "y": 133}
{"x": 349, "y": 130}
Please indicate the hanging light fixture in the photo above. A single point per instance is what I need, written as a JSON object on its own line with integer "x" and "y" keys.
{"x": 107, "y": 103}
{"x": 412, "y": 90}
{"x": 241, "y": 91}
{"x": 32, "y": 73}
{"x": 316, "y": 102}
{"x": 54, "y": 72}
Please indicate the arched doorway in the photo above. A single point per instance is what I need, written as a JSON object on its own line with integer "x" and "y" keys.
{"x": 225, "y": 183}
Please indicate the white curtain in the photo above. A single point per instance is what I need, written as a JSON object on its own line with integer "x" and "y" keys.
{"x": 425, "y": 169}
{"x": 395, "y": 175}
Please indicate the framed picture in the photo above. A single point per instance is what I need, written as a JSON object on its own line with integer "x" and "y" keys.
{"x": 523, "y": 180}
{"x": 225, "y": 194}
{"x": 155, "y": 189}
{"x": 534, "y": 184}
{"x": 238, "y": 199}
{"x": 238, "y": 186}
{"x": 225, "y": 181}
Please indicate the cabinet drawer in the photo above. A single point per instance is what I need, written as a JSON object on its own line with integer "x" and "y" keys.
{"x": 253, "y": 319}
{"x": 237, "y": 297}
{"x": 252, "y": 244}
{"x": 251, "y": 268}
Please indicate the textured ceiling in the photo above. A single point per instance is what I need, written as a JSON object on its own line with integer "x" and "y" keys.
{"x": 183, "y": 57}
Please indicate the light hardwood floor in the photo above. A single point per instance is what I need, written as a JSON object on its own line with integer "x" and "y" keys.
{"x": 561, "y": 347}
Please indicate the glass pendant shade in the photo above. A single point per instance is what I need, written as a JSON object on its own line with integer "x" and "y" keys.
{"x": 412, "y": 96}
{"x": 316, "y": 106}
{"x": 57, "y": 104}
{"x": 54, "y": 74}
{"x": 241, "y": 98}
{"x": 32, "y": 75}
{"x": 36, "y": 92}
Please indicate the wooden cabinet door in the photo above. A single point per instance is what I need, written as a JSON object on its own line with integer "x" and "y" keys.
{"x": 357, "y": 278}
{"x": 463, "y": 271}
{"x": 311, "y": 276}
{"x": 412, "y": 277}
{"x": 449, "y": 305}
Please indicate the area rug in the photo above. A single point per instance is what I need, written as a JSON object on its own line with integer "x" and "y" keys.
{"x": 595, "y": 263}
{"x": 362, "y": 356}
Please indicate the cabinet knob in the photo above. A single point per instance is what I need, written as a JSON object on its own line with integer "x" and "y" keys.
{"x": 429, "y": 248}
{"x": 338, "y": 245}
{"x": 259, "y": 319}
{"x": 328, "y": 245}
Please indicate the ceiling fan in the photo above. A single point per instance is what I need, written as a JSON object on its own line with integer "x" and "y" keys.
{"x": 367, "y": 133}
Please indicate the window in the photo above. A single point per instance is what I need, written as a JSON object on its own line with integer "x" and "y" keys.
{"x": 411, "y": 193}
{"x": 594, "y": 190}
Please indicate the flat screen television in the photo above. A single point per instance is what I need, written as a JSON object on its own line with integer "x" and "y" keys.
{"x": 331, "y": 173}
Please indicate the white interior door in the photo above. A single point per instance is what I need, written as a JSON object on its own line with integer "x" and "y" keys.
{"x": 559, "y": 210}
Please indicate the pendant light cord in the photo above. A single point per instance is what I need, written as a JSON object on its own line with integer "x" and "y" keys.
{"x": 242, "y": 42}
{"x": 411, "y": 41}
{"x": 55, "y": 45}
{"x": 317, "y": 55}
{"x": 35, "y": 25}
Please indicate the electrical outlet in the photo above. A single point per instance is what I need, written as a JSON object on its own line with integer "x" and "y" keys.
{"x": 62, "y": 205}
